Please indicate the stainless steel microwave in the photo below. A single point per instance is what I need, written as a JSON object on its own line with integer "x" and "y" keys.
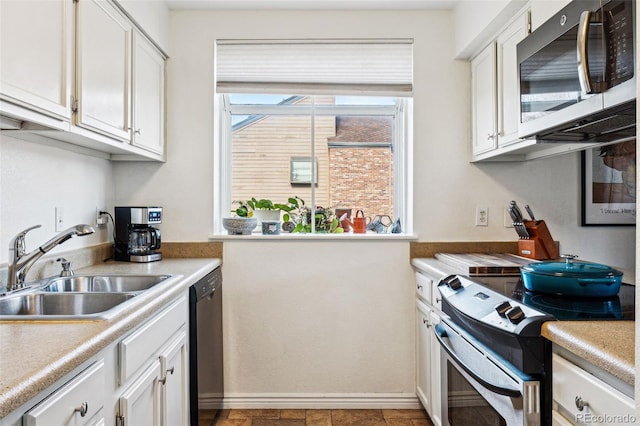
{"x": 576, "y": 74}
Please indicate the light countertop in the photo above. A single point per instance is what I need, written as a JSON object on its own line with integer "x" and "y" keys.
{"x": 609, "y": 345}
{"x": 35, "y": 354}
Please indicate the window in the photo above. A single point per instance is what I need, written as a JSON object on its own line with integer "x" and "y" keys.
{"x": 327, "y": 146}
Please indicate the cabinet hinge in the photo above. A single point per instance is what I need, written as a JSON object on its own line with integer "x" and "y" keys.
{"x": 119, "y": 420}
{"x": 528, "y": 22}
{"x": 74, "y": 105}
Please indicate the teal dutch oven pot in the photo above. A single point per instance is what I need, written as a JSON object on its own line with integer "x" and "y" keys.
{"x": 584, "y": 279}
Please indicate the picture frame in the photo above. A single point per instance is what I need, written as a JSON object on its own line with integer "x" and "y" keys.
{"x": 301, "y": 169}
{"x": 609, "y": 185}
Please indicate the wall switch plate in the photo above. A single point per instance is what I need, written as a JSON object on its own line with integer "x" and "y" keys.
{"x": 482, "y": 216}
{"x": 59, "y": 219}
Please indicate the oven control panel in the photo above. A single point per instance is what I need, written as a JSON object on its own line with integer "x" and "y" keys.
{"x": 475, "y": 301}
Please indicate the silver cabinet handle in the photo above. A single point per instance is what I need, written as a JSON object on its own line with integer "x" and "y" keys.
{"x": 419, "y": 287}
{"x": 138, "y": 131}
{"x": 580, "y": 403}
{"x": 164, "y": 379}
{"x": 84, "y": 407}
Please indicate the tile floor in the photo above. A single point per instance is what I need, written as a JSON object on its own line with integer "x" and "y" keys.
{"x": 316, "y": 418}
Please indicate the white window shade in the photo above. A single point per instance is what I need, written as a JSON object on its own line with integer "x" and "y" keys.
{"x": 369, "y": 67}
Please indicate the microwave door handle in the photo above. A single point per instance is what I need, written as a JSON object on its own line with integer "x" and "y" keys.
{"x": 583, "y": 60}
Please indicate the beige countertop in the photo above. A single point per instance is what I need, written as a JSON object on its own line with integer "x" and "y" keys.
{"x": 609, "y": 345}
{"x": 35, "y": 354}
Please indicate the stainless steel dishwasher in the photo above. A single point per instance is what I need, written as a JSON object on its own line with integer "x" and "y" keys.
{"x": 206, "y": 383}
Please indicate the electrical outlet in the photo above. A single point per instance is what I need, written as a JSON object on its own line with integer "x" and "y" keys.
{"x": 59, "y": 219}
{"x": 100, "y": 218}
{"x": 482, "y": 216}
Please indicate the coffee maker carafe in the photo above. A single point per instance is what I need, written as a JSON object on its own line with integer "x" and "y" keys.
{"x": 136, "y": 240}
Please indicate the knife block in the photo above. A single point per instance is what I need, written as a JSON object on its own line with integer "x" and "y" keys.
{"x": 540, "y": 245}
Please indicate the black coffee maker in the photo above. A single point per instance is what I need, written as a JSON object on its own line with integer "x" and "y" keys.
{"x": 136, "y": 240}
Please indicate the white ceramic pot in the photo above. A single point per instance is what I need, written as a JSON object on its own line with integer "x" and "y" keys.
{"x": 266, "y": 216}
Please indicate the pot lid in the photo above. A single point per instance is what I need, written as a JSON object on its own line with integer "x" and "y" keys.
{"x": 571, "y": 269}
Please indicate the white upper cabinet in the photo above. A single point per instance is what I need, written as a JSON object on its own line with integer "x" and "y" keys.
{"x": 40, "y": 34}
{"x": 508, "y": 106}
{"x": 103, "y": 66}
{"x": 148, "y": 96}
{"x": 494, "y": 86}
{"x": 483, "y": 93}
{"x": 84, "y": 75}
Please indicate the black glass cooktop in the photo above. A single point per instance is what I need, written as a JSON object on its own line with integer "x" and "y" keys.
{"x": 619, "y": 307}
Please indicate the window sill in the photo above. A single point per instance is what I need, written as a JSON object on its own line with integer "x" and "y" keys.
{"x": 316, "y": 237}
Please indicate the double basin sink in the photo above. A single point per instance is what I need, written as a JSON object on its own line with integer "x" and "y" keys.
{"x": 76, "y": 297}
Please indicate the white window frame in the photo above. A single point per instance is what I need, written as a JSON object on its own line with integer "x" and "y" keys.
{"x": 402, "y": 148}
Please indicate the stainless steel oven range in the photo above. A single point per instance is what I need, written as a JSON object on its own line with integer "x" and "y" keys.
{"x": 496, "y": 364}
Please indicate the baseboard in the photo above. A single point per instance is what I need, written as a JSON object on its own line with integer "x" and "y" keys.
{"x": 316, "y": 401}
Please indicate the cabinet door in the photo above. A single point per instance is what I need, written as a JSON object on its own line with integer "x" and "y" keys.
{"x": 436, "y": 383}
{"x": 483, "y": 87}
{"x": 36, "y": 54}
{"x": 103, "y": 75}
{"x": 174, "y": 368}
{"x": 148, "y": 96}
{"x": 77, "y": 403}
{"x": 586, "y": 398}
{"x": 140, "y": 403}
{"x": 508, "y": 99}
{"x": 423, "y": 356}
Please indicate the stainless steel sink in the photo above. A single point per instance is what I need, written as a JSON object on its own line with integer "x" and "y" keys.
{"x": 78, "y": 297}
{"x": 52, "y": 306}
{"x": 103, "y": 283}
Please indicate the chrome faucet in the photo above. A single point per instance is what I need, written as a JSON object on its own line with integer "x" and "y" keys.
{"x": 21, "y": 262}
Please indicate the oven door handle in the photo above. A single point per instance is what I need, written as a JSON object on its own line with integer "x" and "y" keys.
{"x": 441, "y": 334}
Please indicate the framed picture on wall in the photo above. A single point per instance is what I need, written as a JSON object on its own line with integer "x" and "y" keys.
{"x": 609, "y": 185}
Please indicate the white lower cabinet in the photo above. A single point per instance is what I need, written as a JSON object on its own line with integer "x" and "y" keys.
{"x": 79, "y": 402}
{"x": 159, "y": 394}
{"x": 139, "y": 379}
{"x": 428, "y": 374}
{"x": 140, "y": 403}
{"x": 581, "y": 398}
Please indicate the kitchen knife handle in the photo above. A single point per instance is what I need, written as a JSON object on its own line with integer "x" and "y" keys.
{"x": 530, "y": 212}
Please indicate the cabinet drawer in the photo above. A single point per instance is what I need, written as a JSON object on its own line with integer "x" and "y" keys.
{"x": 423, "y": 286}
{"x": 135, "y": 350}
{"x": 76, "y": 403}
{"x": 603, "y": 403}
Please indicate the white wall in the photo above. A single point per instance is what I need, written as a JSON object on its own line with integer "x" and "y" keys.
{"x": 35, "y": 179}
{"x": 448, "y": 188}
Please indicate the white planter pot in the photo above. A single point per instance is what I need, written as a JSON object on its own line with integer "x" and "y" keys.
{"x": 266, "y": 216}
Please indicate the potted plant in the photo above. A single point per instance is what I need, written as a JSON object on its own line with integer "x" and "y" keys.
{"x": 243, "y": 222}
{"x": 264, "y": 210}
{"x": 325, "y": 221}
{"x": 293, "y": 213}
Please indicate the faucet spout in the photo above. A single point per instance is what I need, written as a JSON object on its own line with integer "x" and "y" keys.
{"x": 21, "y": 262}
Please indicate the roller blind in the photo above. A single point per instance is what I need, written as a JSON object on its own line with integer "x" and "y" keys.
{"x": 371, "y": 67}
